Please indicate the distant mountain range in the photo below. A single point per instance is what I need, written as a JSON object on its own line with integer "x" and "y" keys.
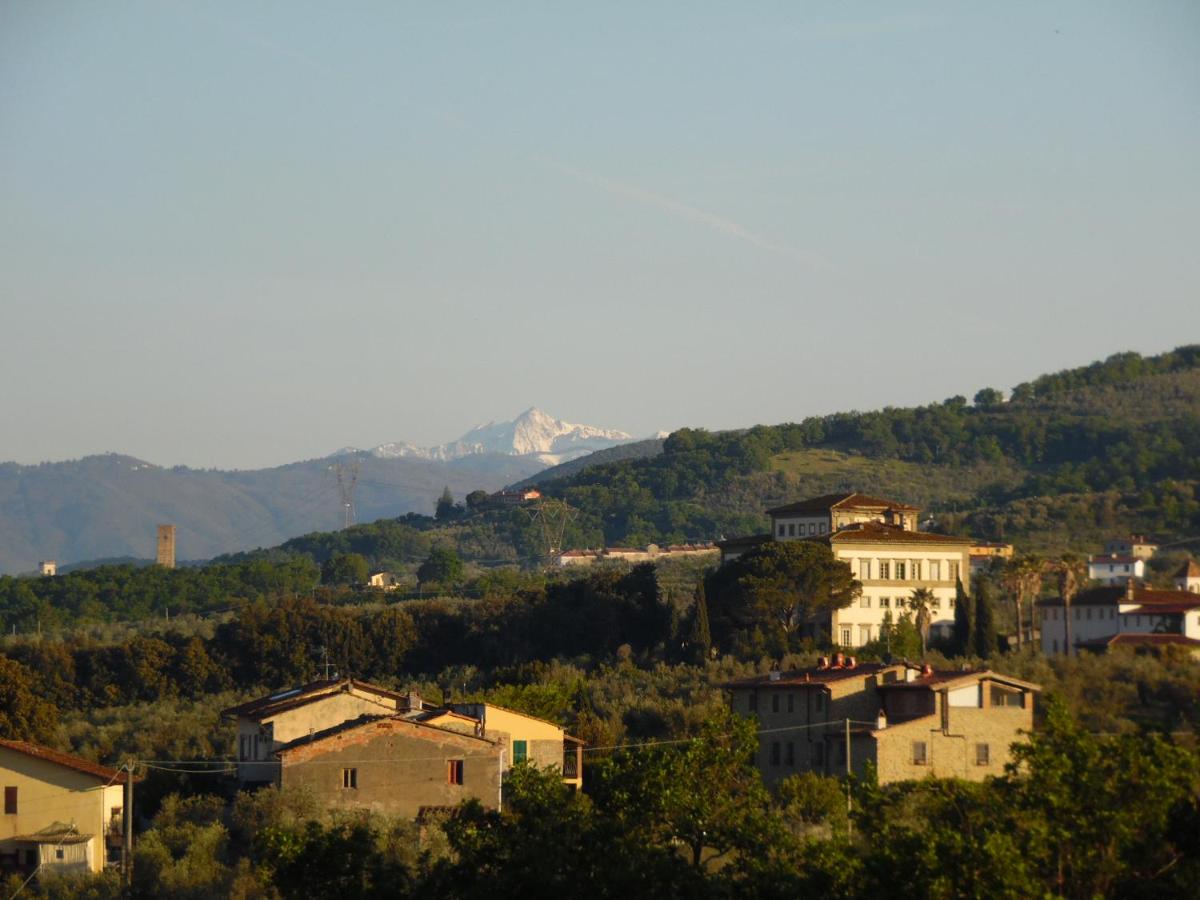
{"x": 533, "y": 433}
{"x": 107, "y": 506}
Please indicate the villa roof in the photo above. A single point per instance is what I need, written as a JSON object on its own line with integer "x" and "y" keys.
{"x": 827, "y": 502}
{"x": 87, "y": 767}
{"x": 947, "y": 678}
{"x": 422, "y": 730}
{"x": 877, "y": 532}
{"x": 1130, "y": 639}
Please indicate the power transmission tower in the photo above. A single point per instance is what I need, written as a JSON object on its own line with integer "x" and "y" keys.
{"x": 347, "y": 477}
{"x": 552, "y": 517}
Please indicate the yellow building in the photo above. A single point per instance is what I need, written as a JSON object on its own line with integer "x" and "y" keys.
{"x": 906, "y": 721}
{"x": 526, "y": 737}
{"x": 61, "y": 813}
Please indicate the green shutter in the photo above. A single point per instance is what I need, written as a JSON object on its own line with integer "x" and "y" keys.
{"x": 519, "y": 752}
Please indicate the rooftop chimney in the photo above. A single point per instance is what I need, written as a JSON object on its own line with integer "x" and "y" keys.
{"x": 774, "y": 676}
{"x": 881, "y": 721}
{"x": 1129, "y": 589}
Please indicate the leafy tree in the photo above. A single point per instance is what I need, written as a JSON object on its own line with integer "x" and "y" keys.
{"x": 988, "y": 398}
{"x": 24, "y": 716}
{"x": 442, "y": 567}
{"x": 811, "y": 804}
{"x": 476, "y": 500}
{"x": 781, "y": 587}
{"x": 705, "y": 795}
{"x": 345, "y": 568}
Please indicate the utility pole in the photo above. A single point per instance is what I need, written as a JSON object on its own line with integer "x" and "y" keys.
{"x": 127, "y": 827}
{"x": 848, "y": 807}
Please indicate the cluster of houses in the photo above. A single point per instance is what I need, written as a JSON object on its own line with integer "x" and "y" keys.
{"x": 650, "y": 553}
{"x": 356, "y": 745}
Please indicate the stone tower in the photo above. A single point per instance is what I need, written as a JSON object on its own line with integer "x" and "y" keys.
{"x": 166, "y": 546}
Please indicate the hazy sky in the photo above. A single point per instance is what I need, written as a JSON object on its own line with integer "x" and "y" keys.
{"x": 244, "y": 233}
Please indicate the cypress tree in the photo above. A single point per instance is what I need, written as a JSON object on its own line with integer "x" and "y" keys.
{"x": 985, "y": 622}
{"x": 963, "y": 639}
{"x": 702, "y": 634}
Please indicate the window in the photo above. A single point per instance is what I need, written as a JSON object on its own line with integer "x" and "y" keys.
{"x": 792, "y": 530}
{"x": 864, "y": 634}
{"x": 774, "y": 753}
{"x": 789, "y": 757}
{"x": 950, "y": 603}
{"x": 885, "y": 602}
{"x": 521, "y": 751}
{"x": 920, "y": 753}
{"x": 812, "y": 528}
{"x": 10, "y": 801}
{"x": 818, "y": 754}
{"x": 791, "y": 702}
{"x": 350, "y": 778}
{"x": 846, "y": 636}
{"x": 935, "y": 603}
{"x": 821, "y": 528}
{"x": 885, "y": 570}
{"x": 865, "y": 602}
{"x": 58, "y": 853}
{"x": 454, "y": 771}
{"x": 774, "y": 703}
{"x": 983, "y": 755}
{"x": 901, "y": 571}
{"x": 954, "y": 571}
{"x": 1004, "y": 697}
{"x": 935, "y": 570}
{"x": 781, "y": 529}
{"x": 753, "y": 702}
{"x": 243, "y": 747}
{"x": 916, "y": 570}
{"x": 864, "y": 568}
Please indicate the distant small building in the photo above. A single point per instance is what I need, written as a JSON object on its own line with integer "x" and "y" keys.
{"x": 515, "y": 497}
{"x": 61, "y": 813}
{"x": 1188, "y": 577}
{"x": 994, "y": 549}
{"x": 906, "y": 721}
{"x": 1115, "y": 570}
{"x": 1136, "y": 545}
{"x": 48, "y": 568}
{"x": 651, "y": 553}
{"x": 385, "y": 581}
{"x": 1126, "y": 616}
{"x": 165, "y": 552}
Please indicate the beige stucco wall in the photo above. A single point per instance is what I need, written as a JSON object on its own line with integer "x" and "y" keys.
{"x": 543, "y": 740}
{"x": 400, "y": 767}
{"x": 49, "y": 793}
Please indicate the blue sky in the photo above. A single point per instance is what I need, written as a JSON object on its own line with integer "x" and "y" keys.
{"x": 237, "y": 234}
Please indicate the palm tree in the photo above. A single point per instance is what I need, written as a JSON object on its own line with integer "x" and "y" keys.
{"x": 921, "y": 604}
{"x": 1071, "y": 572}
{"x": 1023, "y": 579}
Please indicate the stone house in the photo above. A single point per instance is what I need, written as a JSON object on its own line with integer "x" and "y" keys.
{"x": 269, "y": 723}
{"x": 61, "y": 813}
{"x": 880, "y": 542}
{"x": 904, "y": 720}
{"x": 393, "y": 765}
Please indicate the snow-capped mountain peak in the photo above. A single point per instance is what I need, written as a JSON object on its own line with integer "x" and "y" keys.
{"x": 532, "y": 433}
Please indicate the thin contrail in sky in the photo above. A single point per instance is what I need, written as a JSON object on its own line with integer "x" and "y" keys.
{"x": 685, "y": 211}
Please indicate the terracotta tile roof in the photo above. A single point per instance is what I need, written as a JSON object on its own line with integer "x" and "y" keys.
{"x": 1190, "y": 569}
{"x": 852, "y": 500}
{"x": 314, "y": 691}
{"x": 1112, "y": 560}
{"x": 1127, "y": 639}
{"x": 422, "y": 730}
{"x": 750, "y": 540}
{"x": 1115, "y": 594}
{"x": 945, "y": 677}
{"x": 1162, "y": 609}
{"x": 37, "y": 751}
{"x": 812, "y": 677}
